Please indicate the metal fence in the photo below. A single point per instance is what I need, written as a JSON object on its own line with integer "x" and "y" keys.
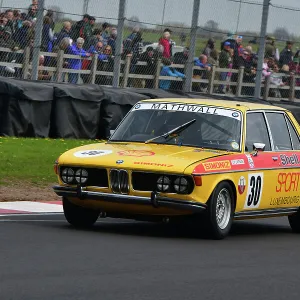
{"x": 215, "y": 46}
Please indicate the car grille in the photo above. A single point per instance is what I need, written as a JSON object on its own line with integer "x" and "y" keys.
{"x": 119, "y": 181}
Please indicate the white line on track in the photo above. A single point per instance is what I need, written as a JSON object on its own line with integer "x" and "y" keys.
{"x": 18, "y": 221}
{"x": 33, "y": 214}
{"x": 32, "y": 207}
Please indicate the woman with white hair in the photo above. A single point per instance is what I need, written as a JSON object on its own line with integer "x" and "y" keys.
{"x": 164, "y": 42}
{"x": 75, "y": 63}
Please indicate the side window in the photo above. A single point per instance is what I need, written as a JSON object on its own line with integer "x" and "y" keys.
{"x": 294, "y": 135}
{"x": 279, "y": 131}
{"x": 256, "y": 131}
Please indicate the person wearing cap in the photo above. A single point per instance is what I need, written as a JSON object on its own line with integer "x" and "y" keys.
{"x": 229, "y": 38}
{"x": 224, "y": 61}
{"x": 88, "y": 31}
{"x": 78, "y": 28}
{"x": 286, "y": 55}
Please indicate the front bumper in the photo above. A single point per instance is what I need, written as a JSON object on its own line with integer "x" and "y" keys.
{"x": 155, "y": 200}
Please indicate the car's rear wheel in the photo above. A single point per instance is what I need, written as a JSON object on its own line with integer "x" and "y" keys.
{"x": 220, "y": 210}
{"x": 79, "y": 216}
{"x": 294, "y": 221}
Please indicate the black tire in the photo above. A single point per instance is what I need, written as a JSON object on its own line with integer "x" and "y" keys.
{"x": 79, "y": 216}
{"x": 294, "y": 221}
{"x": 220, "y": 229}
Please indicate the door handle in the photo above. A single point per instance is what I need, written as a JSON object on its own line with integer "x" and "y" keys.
{"x": 275, "y": 158}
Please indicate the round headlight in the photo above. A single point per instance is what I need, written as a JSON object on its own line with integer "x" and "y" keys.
{"x": 181, "y": 185}
{"x": 81, "y": 176}
{"x": 67, "y": 175}
{"x": 163, "y": 183}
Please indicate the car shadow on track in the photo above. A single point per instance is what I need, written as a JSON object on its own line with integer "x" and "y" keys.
{"x": 189, "y": 231}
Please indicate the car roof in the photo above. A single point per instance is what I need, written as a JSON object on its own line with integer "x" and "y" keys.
{"x": 235, "y": 104}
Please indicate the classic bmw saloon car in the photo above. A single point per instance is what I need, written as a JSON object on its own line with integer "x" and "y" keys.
{"x": 210, "y": 160}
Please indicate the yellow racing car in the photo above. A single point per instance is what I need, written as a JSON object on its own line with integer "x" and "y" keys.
{"x": 210, "y": 160}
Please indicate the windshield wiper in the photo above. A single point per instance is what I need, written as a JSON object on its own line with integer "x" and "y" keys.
{"x": 176, "y": 130}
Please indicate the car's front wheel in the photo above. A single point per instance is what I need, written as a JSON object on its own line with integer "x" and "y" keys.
{"x": 294, "y": 221}
{"x": 79, "y": 216}
{"x": 220, "y": 210}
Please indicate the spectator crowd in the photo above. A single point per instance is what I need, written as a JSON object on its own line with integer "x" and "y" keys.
{"x": 85, "y": 39}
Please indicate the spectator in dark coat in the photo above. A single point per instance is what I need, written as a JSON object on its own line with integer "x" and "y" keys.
{"x": 50, "y": 15}
{"x": 148, "y": 69}
{"x": 64, "y": 33}
{"x": 286, "y": 55}
{"x": 180, "y": 58}
{"x": 78, "y": 28}
{"x": 112, "y": 40}
{"x": 47, "y": 36}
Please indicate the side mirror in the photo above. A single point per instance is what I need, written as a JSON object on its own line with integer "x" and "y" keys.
{"x": 259, "y": 147}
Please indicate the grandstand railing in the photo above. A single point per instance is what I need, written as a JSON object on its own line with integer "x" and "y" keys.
{"x": 211, "y": 82}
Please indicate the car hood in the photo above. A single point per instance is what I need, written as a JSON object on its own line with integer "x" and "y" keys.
{"x": 137, "y": 156}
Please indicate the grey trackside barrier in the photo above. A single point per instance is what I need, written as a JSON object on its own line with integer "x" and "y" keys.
{"x": 83, "y": 111}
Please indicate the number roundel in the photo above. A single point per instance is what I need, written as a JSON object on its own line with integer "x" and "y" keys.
{"x": 255, "y": 185}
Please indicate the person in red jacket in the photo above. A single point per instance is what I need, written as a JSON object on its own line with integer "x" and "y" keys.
{"x": 164, "y": 41}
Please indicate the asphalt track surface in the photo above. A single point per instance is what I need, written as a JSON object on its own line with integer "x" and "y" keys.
{"x": 41, "y": 257}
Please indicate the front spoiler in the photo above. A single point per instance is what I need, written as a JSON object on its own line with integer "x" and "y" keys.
{"x": 155, "y": 200}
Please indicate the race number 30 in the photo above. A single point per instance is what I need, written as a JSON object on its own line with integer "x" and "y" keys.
{"x": 255, "y": 187}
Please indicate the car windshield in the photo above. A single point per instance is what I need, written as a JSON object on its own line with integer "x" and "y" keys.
{"x": 210, "y": 126}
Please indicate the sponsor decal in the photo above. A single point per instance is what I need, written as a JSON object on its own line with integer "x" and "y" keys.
{"x": 195, "y": 108}
{"x": 92, "y": 153}
{"x": 236, "y": 162}
{"x": 235, "y": 145}
{"x": 288, "y": 200}
{"x": 242, "y": 185}
{"x": 217, "y": 165}
{"x": 119, "y": 161}
{"x": 137, "y": 153}
{"x": 287, "y": 182}
{"x": 254, "y": 192}
{"x": 289, "y": 160}
{"x": 250, "y": 161}
{"x": 152, "y": 164}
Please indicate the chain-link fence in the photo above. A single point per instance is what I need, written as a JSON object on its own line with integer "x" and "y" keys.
{"x": 79, "y": 44}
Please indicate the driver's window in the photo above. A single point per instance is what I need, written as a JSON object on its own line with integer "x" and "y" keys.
{"x": 256, "y": 131}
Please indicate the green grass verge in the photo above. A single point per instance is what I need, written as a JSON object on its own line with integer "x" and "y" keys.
{"x": 31, "y": 160}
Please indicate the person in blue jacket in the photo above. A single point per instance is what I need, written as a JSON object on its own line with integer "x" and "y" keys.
{"x": 75, "y": 63}
{"x": 168, "y": 71}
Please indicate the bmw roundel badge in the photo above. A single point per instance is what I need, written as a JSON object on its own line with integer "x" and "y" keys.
{"x": 235, "y": 114}
{"x": 137, "y": 106}
{"x": 119, "y": 162}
